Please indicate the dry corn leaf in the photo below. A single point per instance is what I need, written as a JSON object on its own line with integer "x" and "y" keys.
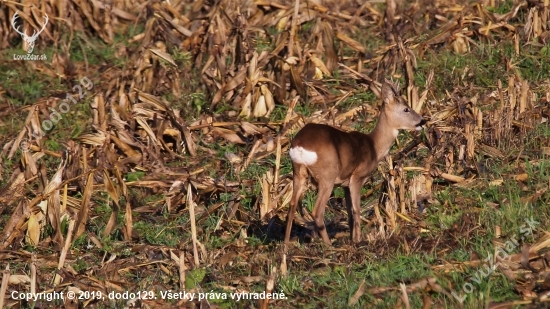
{"x": 95, "y": 139}
{"x": 19, "y": 279}
{"x": 84, "y": 210}
{"x": 33, "y": 230}
{"x": 227, "y": 134}
{"x": 260, "y": 108}
{"x": 164, "y": 56}
{"x": 351, "y": 42}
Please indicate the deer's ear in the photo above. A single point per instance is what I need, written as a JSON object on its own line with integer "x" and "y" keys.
{"x": 388, "y": 92}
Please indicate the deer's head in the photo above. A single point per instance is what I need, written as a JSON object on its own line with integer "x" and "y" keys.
{"x": 28, "y": 39}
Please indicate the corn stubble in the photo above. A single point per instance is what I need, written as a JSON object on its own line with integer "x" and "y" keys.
{"x": 246, "y": 58}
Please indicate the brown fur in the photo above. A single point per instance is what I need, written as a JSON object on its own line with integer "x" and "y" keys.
{"x": 347, "y": 159}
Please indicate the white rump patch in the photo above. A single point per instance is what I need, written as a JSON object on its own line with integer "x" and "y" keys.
{"x": 302, "y": 156}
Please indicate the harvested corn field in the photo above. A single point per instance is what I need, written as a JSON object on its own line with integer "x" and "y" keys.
{"x": 144, "y": 153}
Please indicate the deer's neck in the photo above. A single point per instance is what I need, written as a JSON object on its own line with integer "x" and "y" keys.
{"x": 383, "y": 137}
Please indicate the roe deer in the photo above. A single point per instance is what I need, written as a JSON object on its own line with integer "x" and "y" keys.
{"x": 332, "y": 156}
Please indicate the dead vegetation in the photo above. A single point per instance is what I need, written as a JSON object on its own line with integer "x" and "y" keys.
{"x": 218, "y": 87}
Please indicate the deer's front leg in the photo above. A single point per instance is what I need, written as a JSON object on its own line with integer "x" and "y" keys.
{"x": 353, "y": 194}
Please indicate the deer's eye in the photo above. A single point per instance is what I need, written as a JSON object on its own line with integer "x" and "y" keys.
{"x": 406, "y": 110}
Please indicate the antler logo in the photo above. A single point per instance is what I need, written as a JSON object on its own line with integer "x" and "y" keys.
{"x": 28, "y": 39}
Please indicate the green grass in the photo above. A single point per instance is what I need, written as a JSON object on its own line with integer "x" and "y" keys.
{"x": 482, "y": 66}
{"x": 319, "y": 276}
